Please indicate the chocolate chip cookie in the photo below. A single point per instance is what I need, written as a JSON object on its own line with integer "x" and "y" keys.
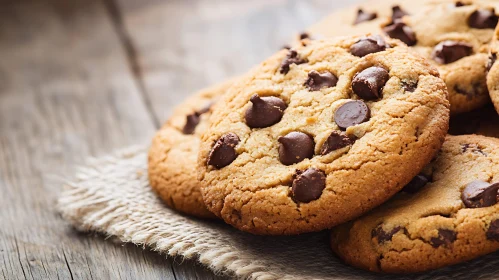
{"x": 320, "y": 134}
{"x": 453, "y": 35}
{"x": 447, "y": 214}
{"x": 493, "y": 71}
{"x": 173, "y": 153}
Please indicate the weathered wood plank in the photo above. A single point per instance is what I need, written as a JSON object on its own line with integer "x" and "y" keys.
{"x": 66, "y": 92}
{"x": 183, "y": 46}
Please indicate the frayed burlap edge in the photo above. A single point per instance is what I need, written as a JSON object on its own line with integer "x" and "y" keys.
{"x": 111, "y": 195}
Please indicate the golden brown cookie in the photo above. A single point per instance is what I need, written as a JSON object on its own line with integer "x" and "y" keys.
{"x": 174, "y": 149}
{"x": 453, "y": 35}
{"x": 320, "y": 134}
{"x": 493, "y": 71}
{"x": 447, "y": 214}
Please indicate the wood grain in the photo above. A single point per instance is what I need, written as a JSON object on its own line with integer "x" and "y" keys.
{"x": 66, "y": 92}
{"x": 183, "y": 46}
{"x": 84, "y": 77}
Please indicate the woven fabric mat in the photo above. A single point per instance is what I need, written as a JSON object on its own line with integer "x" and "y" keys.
{"x": 111, "y": 195}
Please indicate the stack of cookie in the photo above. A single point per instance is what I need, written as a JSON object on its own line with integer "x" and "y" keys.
{"x": 350, "y": 134}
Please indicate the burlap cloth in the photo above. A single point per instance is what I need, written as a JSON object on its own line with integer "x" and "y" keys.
{"x": 111, "y": 195}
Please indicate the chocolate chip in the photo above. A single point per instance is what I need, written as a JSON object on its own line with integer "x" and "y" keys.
{"x": 445, "y": 237}
{"x": 295, "y": 147}
{"x": 491, "y": 61}
{"x": 410, "y": 86}
{"x": 365, "y": 46}
{"x": 401, "y": 31}
{"x": 416, "y": 184}
{"x": 383, "y": 236}
{"x": 397, "y": 13}
{"x": 265, "y": 111}
{"x": 369, "y": 83}
{"x": 364, "y": 16}
{"x": 483, "y": 19}
{"x": 472, "y": 148}
{"x": 304, "y": 35}
{"x": 308, "y": 185}
{"x": 335, "y": 141}
{"x": 479, "y": 194}
{"x": 317, "y": 80}
{"x": 191, "y": 123}
{"x": 352, "y": 113}
{"x": 460, "y": 4}
{"x": 473, "y": 90}
{"x": 493, "y": 231}
{"x": 449, "y": 51}
{"x": 223, "y": 152}
{"x": 194, "y": 119}
{"x": 291, "y": 58}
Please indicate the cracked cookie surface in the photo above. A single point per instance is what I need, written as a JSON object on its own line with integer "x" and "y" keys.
{"x": 174, "y": 149}
{"x": 453, "y": 35}
{"x": 316, "y": 135}
{"x": 447, "y": 214}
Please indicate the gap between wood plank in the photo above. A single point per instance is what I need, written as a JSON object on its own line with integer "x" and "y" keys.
{"x": 131, "y": 54}
{"x": 67, "y": 264}
{"x": 19, "y": 257}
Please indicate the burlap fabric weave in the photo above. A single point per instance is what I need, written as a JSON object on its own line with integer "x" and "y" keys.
{"x": 111, "y": 195}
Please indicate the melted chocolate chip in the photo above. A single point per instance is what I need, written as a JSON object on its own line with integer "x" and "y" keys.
{"x": 352, "y": 113}
{"x": 335, "y": 141}
{"x": 265, "y": 111}
{"x": 317, "y": 80}
{"x": 223, "y": 152}
{"x": 471, "y": 91}
{"x": 397, "y": 13}
{"x": 369, "y": 83}
{"x": 191, "y": 123}
{"x": 493, "y": 231}
{"x": 401, "y": 31}
{"x": 460, "y": 4}
{"x": 304, "y": 35}
{"x": 483, "y": 19}
{"x": 410, "y": 86}
{"x": 472, "y": 148}
{"x": 445, "y": 237}
{"x": 193, "y": 119}
{"x": 416, "y": 184}
{"x": 491, "y": 61}
{"x": 291, "y": 58}
{"x": 479, "y": 194}
{"x": 450, "y": 51}
{"x": 308, "y": 185}
{"x": 368, "y": 45}
{"x": 295, "y": 147}
{"x": 364, "y": 16}
{"x": 383, "y": 236}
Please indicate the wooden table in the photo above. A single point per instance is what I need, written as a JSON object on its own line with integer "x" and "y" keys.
{"x": 81, "y": 78}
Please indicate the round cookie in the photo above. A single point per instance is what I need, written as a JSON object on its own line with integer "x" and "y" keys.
{"x": 174, "y": 149}
{"x": 493, "y": 71}
{"x": 446, "y": 215}
{"x": 319, "y": 134}
{"x": 453, "y": 35}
